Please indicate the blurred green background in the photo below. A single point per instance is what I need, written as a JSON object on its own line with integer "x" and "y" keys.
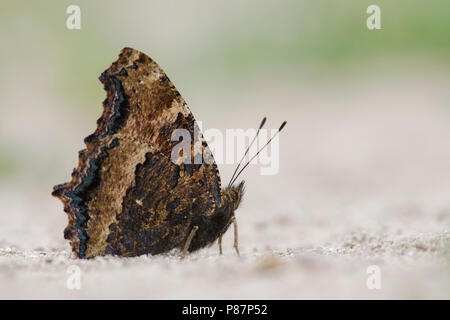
{"x": 208, "y": 48}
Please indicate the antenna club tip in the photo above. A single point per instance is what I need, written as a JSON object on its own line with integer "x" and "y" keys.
{"x": 282, "y": 125}
{"x": 262, "y": 122}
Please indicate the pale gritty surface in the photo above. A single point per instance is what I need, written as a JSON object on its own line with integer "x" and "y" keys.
{"x": 364, "y": 180}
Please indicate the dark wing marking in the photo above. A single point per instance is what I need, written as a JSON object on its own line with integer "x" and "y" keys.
{"x": 157, "y": 211}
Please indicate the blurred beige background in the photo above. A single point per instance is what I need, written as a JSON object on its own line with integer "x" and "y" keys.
{"x": 364, "y": 161}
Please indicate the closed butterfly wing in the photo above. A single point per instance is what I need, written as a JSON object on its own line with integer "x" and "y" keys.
{"x": 128, "y": 196}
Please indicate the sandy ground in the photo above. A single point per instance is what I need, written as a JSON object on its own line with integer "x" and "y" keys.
{"x": 359, "y": 185}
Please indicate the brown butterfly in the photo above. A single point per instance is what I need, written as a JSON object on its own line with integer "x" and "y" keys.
{"x": 127, "y": 197}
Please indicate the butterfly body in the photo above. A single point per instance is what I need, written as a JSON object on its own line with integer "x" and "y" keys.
{"x": 128, "y": 197}
{"x": 212, "y": 227}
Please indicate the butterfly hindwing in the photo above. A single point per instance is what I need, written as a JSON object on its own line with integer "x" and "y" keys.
{"x": 157, "y": 211}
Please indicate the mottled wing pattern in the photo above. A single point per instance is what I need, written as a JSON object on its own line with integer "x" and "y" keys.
{"x": 126, "y": 186}
{"x": 157, "y": 211}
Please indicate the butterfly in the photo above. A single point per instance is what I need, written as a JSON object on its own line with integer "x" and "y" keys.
{"x": 127, "y": 197}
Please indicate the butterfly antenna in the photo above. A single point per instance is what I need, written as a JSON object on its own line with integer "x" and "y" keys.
{"x": 248, "y": 149}
{"x": 267, "y": 143}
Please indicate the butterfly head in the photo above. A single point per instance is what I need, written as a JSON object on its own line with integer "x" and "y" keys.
{"x": 234, "y": 194}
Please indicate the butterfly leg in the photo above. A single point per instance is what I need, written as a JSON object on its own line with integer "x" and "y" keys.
{"x": 219, "y": 242}
{"x": 188, "y": 242}
{"x": 235, "y": 235}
